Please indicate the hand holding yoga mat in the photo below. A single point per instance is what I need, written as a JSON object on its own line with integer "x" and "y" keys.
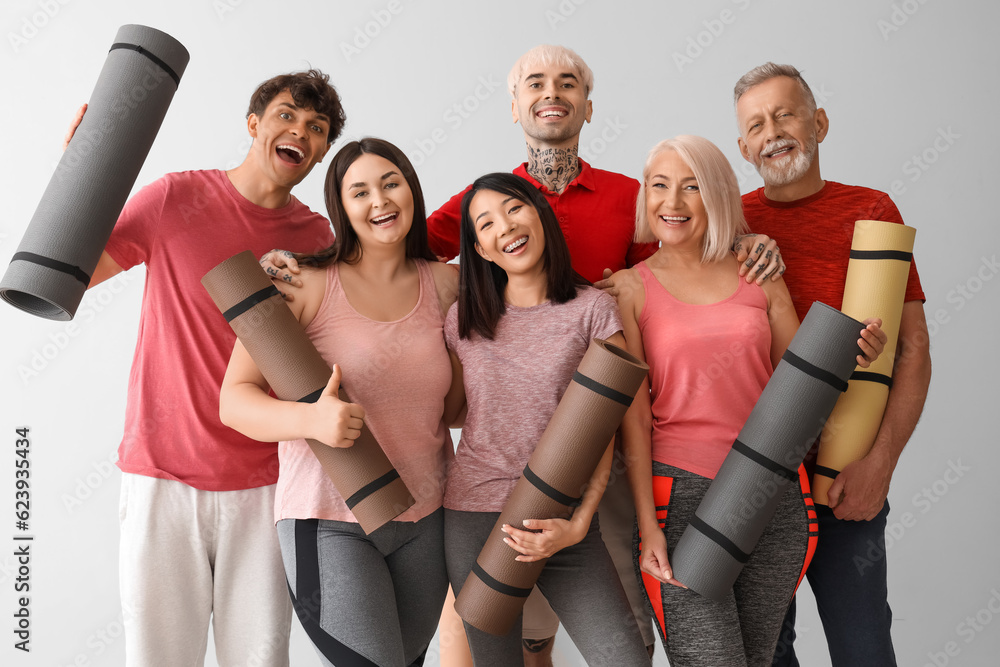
{"x": 789, "y": 415}
{"x": 875, "y": 287}
{"x": 286, "y": 357}
{"x": 61, "y": 247}
{"x": 553, "y": 481}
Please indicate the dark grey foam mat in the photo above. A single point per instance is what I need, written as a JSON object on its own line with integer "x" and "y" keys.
{"x": 764, "y": 460}
{"x": 51, "y": 269}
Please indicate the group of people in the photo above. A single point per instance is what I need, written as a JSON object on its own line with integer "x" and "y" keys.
{"x": 420, "y": 347}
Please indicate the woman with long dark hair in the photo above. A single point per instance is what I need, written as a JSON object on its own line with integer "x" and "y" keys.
{"x": 523, "y": 321}
{"x": 374, "y": 303}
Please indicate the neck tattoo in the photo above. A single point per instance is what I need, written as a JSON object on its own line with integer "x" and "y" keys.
{"x": 555, "y": 168}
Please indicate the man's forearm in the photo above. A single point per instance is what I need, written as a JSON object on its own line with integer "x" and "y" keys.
{"x": 910, "y": 379}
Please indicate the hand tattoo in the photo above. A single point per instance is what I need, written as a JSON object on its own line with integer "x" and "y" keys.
{"x": 287, "y": 278}
{"x": 271, "y": 271}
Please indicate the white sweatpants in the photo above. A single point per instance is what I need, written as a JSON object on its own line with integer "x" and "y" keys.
{"x": 189, "y": 555}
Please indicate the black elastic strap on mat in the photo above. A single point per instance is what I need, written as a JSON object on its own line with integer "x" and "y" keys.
{"x": 719, "y": 538}
{"x": 370, "y": 488}
{"x": 882, "y": 254}
{"x": 54, "y": 264}
{"x": 313, "y": 397}
{"x": 765, "y": 462}
{"x": 159, "y": 63}
{"x": 499, "y": 586}
{"x": 826, "y": 472}
{"x": 598, "y": 388}
{"x": 552, "y": 492}
{"x": 814, "y": 371}
{"x": 251, "y": 301}
{"x": 868, "y": 376}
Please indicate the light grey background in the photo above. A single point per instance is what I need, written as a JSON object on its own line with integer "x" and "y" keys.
{"x": 902, "y": 81}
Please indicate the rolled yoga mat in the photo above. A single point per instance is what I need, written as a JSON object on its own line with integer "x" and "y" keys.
{"x": 789, "y": 415}
{"x": 875, "y": 287}
{"x": 286, "y": 357}
{"x": 552, "y": 484}
{"x": 61, "y": 247}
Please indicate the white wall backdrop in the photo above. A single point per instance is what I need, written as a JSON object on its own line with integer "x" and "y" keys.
{"x": 910, "y": 87}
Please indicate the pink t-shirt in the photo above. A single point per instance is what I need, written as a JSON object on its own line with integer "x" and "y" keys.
{"x": 399, "y": 372}
{"x": 181, "y": 226}
{"x": 708, "y": 365}
{"x": 513, "y": 384}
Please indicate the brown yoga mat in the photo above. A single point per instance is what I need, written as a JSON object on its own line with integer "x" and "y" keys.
{"x": 875, "y": 287}
{"x": 553, "y": 481}
{"x": 279, "y": 346}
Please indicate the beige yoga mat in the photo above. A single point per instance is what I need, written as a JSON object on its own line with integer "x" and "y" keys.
{"x": 278, "y": 344}
{"x": 553, "y": 482}
{"x": 875, "y": 287}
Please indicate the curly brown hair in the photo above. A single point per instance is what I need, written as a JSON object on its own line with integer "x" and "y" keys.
{"x": 310, "y": 90}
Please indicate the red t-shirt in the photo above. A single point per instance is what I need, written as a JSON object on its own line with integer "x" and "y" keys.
{"x": 814, "y": 235}
{"x": 596, "y": 213}
{"x": 180, "y": 227}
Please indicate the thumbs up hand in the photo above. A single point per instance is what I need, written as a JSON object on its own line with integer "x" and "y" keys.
{"x": 336, "y": 423}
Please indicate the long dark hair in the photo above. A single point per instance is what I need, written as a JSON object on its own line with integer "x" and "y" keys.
{"x": 347, "y": 248}
{"x": 482, "y": 283}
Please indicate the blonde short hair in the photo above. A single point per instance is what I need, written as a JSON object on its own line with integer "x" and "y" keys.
{"x": 719, "y": 192}
{"x": 547, "y": 55}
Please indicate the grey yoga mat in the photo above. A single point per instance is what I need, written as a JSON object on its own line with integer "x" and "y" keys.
{"x": 763, "y": 462}
{"x": 61, "y": 247}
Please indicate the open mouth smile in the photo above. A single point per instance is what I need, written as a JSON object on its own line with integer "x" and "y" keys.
{"x": 290, "y": 153}
{"x": 384, "y": 220}
{"x": 674, "y": 219}
{"x": 515, "y": 244}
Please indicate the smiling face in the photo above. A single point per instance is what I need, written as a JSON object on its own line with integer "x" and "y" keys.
{"x": 288, "y": 140}
{"x": 780, "y": 132}
{"x": 377, "y": 200}
{"x": 508, "y": 232}
{"x": 550, "y": 102}
{"x": 675, "y": 210}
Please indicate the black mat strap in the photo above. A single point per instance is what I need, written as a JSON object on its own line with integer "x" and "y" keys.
{"x": 764, "y": 461}
{"x": 251, "y": 301}
{"x": 814, "y": 371}
{"x": 826, "y": 472}
{"x": 882, "y": 254}
{"x": 868, "y": 376}
{"x": 552, "y": 492}
{"x": 313, "y": 397}
{"x": 159, "y": 63}
{"x": 598, "y": 388}
{"x": 370, "y": 488}
{"x": 719, "y": 538}
{"x": 54, "y": 264}
{"x": 499, "y": 586}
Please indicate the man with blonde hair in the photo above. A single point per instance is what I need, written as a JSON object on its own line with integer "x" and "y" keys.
{"x": 780, "y": 132}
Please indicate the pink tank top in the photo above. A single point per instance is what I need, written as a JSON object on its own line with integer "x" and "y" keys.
{"x": 399, "y": 372}
{"x": 708, "y": 366}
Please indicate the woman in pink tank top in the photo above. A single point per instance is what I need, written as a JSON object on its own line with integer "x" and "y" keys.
{"x": 711, "y": 341}
{"x": 374, "y": 303}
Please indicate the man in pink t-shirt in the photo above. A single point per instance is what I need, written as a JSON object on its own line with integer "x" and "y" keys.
{"x": 780, "y": 132}
{"x": 197, "y": 531}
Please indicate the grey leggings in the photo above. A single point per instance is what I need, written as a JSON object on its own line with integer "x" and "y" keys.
{"x": 580, "y": 583}
{"x": 366, "y": 600}
{"x": 741, "y": 630}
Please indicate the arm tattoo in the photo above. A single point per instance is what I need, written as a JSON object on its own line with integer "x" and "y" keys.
{"x": 536, "y": 645}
